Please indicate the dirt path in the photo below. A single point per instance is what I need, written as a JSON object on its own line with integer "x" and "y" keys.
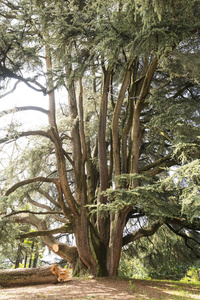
{"x": 104, "y": 289}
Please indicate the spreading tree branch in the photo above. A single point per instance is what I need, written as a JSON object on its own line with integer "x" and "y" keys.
{"x": 11, "y": 91}
{"x": 31, "y": 180}
{"x": 68, "y": 157}
{"x": 185, "y": 236}
{"x": 65, "y": 209}
{"x": 46, "y": 195}
{"x": 30, "y": 212}
{"x": 194, "y": 225}
{"x": 24, "y": 108}
{"x": 142, "y": 232}
{"x": 16, "y": 135}
{"x": 37, "y": 204}
{"x": 158, "y": 166}
{"x": 5, "y": 72}
{"x": 67, "y": 228}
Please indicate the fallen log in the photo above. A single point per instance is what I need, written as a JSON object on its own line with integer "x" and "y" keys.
{"x": 21, "y": 277}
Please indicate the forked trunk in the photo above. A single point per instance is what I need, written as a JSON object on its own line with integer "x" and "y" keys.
{"x": 95, "y": 256}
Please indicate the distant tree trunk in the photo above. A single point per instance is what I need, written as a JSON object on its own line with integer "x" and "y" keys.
{"x": 18, "y": 258}
{"x": 30, "y": 260}
{"x": 25, "y": 260}
{"x": 35, "y": 260}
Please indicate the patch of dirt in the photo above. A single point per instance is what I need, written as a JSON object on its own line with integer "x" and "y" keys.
{"x": 104, "y": 289}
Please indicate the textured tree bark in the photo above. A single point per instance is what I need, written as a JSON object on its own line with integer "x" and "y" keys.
{"x": 102, "y": 155}
{"x": 115, "y": 241}
{"x": 115, "y": 121}
{"x": 22, "y": 277}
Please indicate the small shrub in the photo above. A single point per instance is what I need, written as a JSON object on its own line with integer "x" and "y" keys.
{"x": 132, "y": 287}
{"x": 192, "y": 275}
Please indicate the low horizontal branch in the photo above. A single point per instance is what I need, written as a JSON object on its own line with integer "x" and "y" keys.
{"x": 67, "y": 228}
{"x": 142, "y": 232}
{"x": 36, "y": 108}
{"x": 23, "y": 108}
{"x": 155, "y": 163}
{"x": 159, "y": 168}
{"x": 194, "y": 225}
{"x": 32, "y": 212}
{"x": 185, "y": 236}
{"x": 17, "y": 135}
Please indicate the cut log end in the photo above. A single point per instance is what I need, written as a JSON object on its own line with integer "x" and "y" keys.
{"x": 63, "y": 274}
{"x": 55, "y": 247}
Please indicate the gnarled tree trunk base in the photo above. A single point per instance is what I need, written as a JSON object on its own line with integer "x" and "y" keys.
{"x": 21, "y": 277}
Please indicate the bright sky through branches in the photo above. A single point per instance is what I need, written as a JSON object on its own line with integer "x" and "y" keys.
{"x": 25, "y": 96}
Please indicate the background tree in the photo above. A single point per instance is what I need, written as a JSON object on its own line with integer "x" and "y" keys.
{"x": 163, "y": 255}
{"x": 131, "y": 74}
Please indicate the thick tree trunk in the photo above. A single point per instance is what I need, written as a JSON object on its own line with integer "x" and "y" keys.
{"x": 18, "y": 258}
{"x": 21, "y": 277}
{"x": 84, "y": 243}
{"x": 91, "y": 250}
{"x": 115, "y": 242}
